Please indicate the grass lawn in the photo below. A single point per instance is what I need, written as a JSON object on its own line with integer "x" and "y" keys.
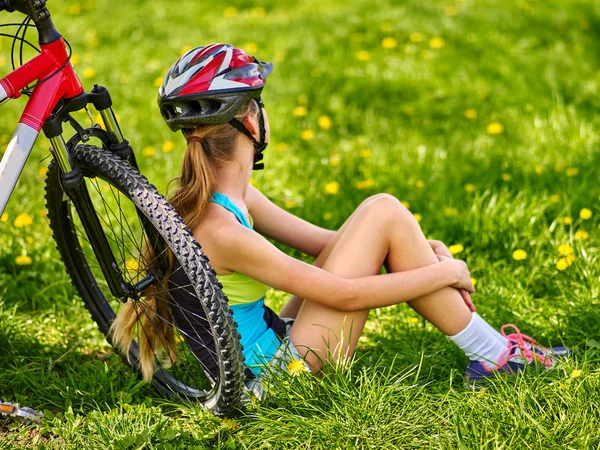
{"x": 483, "y": 116}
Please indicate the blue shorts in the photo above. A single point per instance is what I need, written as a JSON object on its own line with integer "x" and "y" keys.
{"x": 286, "y": 353}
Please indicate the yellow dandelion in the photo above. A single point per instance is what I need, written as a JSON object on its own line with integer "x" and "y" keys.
{"x": 506, "y": 176}
{"x": 363, "y": 55}
{"x": 470, "y": 187}
{"x": 420, "y": 184}
{"x": 415, "y": 37}
{"x": 450, "y": 10}
{"x": 2, "y": 61}
{"x": 282, "y": 146}
{"x": 385, "y": 27}
{"x": 332, "y": 188}
{"x": 471, "y": 114}
{"x": 303, "y": 99}
{"x": 327, "y": 215}
{"x": 495, "y": 128}
{"x": 29, "y": 239}
{"x": 259, "y": 11}
{"x": 335, "y": 159}
{"x": 158, "y": 81}
{"x": 75, "y": 9}
{"x": 365, "y": 153}
{"x": 405, "y": 204}
{"x": 418, "y": 217}
{"x": 559, "y": 167}
{"x": 4, "y": 218}
{"x": 565, "y": 249}
{"x": 168, "y": 146}
{"x": 43, "y": 171}
{"x": 23, "y": 260}
{"x": 148, "y": 151}
{"x": 572, "y": 171}
{"x": 325, "y": 122}
{"x": 132, "y": 264}
{"x": 230, "y": 11}
{"x": 562, "y": 264}
{"x": 23, "y": 220}
{"x": 89, "y": 72}
{"x": 566, "y": 220}
{"x": 290, "y": 204}
{"x": 365, "y": 184}
{"x": 43, "y": 213}
{"x": 300, "y": 111}
{"x": 570, "y": 259}
{"x": 519, "y": 255}
{"x": 456, "y": 248}
{"x": 576, "y": 373}
{"x": 230, "y": 423}
{"x": 412, "y": 320}
{"x": 307, "y": 135}
{"x": 538, "y": 169}
{"x": 437, "y": 42}
{"x": 449, "y": 211}
{"x": 555, "y": 198}
{"x": 296, "y": 367}
{"x": 581, "y": 235}
{"x": 585, "y": 214}
{"x": 473, "y": 281}
{"x": 250, "y": 47}
{"x": 481, "y": 393}
{"x": 389, "y": 42}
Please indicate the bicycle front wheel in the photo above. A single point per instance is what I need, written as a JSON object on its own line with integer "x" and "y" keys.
{"x": 202, "y": 360}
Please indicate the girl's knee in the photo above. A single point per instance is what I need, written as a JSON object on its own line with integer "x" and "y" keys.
{"x": 386, "y": 206}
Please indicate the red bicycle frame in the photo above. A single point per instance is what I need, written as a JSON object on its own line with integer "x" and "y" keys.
{"x": 60, "y": 82}
{"x": 56, "y": 81}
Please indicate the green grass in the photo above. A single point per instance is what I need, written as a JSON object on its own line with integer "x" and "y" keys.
{"x": 531, "y": 66}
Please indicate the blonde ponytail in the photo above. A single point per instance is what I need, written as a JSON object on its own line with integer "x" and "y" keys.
{"x": 208, "y": 147}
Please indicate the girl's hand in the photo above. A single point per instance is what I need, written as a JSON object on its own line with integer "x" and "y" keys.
{"x": 462, "y": 274}
{"x": 440, "y": 250}
{"x": 467, "y": 298}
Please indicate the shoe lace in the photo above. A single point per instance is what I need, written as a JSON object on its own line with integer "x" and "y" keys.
{"x": 524, "y": 343}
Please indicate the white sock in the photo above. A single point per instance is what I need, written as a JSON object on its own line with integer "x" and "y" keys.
{"x": 480, "y": 341}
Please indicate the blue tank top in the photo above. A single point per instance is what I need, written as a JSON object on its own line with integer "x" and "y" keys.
{"x": 260, "y": 328}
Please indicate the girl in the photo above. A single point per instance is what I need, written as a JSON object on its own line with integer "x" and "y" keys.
{"x": 212, "y": 94}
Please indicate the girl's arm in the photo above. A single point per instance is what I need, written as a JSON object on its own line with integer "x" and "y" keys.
{"x": 274, "y": 222}
{"x": 251, "y": 254}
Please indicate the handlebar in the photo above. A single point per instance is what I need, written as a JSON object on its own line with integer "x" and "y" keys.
{"x": 36, "y": 9}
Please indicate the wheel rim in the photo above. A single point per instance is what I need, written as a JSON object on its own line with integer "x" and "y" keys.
{"x": 184, "y": 375}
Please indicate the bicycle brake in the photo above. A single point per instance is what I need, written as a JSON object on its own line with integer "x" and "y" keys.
{"x": 78, "y": 128}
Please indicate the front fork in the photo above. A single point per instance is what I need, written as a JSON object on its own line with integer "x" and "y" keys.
{"x": 73, "y": 184}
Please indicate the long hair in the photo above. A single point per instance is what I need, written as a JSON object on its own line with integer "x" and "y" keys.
{"x": 151, "y": 314}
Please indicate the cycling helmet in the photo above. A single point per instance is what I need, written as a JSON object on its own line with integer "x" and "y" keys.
{"x": 209, "y": 85}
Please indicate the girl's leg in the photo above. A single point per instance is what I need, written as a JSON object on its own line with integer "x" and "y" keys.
{"x": 379, "y": 230}
{"x": 292, "y": 306}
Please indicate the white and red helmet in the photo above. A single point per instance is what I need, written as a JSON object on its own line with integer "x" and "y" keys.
{"x": 209, "y": 85}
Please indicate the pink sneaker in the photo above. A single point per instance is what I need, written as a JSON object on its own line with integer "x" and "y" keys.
{"x": 522, "y": 352}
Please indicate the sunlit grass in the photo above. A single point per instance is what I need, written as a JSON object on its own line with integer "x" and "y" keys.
{"x": 482, "y": 117}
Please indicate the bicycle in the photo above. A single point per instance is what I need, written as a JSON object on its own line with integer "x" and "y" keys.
{"x": 90, "y": 192}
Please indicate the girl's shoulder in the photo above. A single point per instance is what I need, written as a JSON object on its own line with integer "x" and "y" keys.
{"x": 212, "y": 232}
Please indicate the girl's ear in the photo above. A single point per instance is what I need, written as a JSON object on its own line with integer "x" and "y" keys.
{"x": 251, "y": 123}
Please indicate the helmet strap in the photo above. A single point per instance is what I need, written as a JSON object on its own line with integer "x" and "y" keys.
{"x": 259, "y": 147}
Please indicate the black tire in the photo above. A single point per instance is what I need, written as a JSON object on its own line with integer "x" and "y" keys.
{"x": 223, "y": 395}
